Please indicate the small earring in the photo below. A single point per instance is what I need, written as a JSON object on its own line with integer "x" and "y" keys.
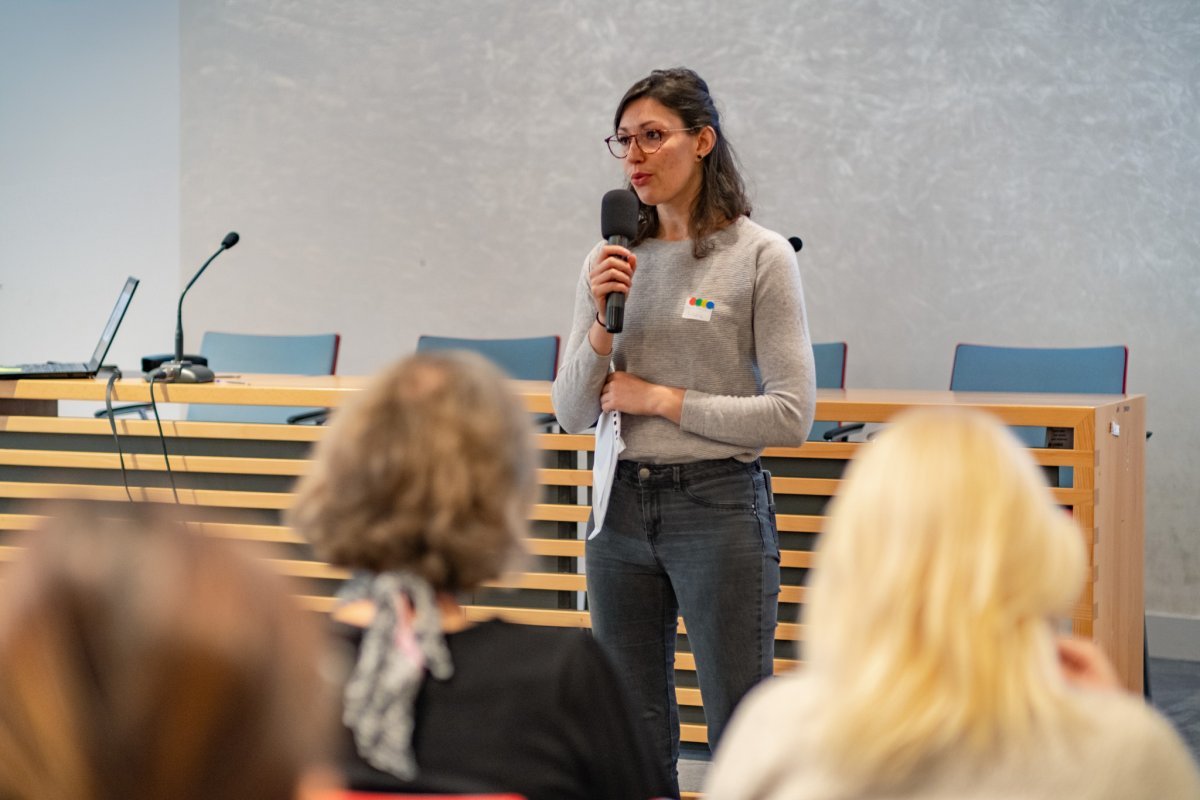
{"x": 699, "y": 157}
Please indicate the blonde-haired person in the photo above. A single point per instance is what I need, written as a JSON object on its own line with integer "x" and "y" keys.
{"x": 143, "y": 662}
{"x": 424, "y": 482}
{"x": 932, "y": 665}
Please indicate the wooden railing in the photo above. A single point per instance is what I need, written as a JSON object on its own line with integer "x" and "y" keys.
{"x": 240, "y": 479}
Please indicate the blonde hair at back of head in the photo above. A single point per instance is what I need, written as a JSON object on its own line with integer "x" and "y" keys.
{"x": 429, "y": 470}
{"x": 929, "y": 617}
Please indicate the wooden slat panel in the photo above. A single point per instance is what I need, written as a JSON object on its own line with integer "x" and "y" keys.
{"x": 805, "y": 486}
{"x": 552, "y": 618}
{"x": 566, "y": 442}
{"x": 249, "y": 390}
{"x": 198, "y": 497}
{"x": 792, "y": 594}
{"x": 800, "y": 559}
{"x": 831, "y": 450}
{"x": 697, "y": 734}
{"x": 550, "y": 581}
{"x": 687, "y": 696}
{"x": 564, "y": 477}
{"x": 279, "y": 534}
{"x": 19, "y": 522}
{"x": 173, "y": 429}
{"x": 799, "y": 523}
{"x": 546, "y": 512}
{"x": 1072, "y": 497}
{"x": 289, "y": 467}
{"x": 568, "y": 548}
{"x": 308, "y": 569}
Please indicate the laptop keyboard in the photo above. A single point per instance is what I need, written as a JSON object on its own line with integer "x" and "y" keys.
{"x": 52, "y": 366}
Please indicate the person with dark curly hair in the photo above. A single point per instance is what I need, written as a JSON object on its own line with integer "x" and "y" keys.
{"x": 424, "y": 484}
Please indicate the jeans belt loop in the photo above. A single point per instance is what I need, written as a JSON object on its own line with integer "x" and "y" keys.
{"x": 675, "y": 477}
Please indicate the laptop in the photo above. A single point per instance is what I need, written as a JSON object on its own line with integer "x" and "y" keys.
{"x": 57, "y": 369}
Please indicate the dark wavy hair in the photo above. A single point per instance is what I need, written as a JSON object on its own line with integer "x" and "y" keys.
{"x": 722, "y": 197}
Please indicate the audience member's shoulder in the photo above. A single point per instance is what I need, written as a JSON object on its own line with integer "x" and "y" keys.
{"x": 763, "y": 752}
{"x": 548, "y": 644}
{"x": 1138, "y": 747}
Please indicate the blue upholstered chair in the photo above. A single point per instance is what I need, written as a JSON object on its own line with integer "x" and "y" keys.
{"x": 830, "y": 361}
{"x": 248, "y": 354}
{"x": 530, "y": 359}
{"x": 1045, "y": 370}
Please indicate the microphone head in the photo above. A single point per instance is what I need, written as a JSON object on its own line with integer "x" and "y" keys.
{"x": 796, "y": 243}
{"x": 619, "y": 214}
{"x": 230, "y": 240}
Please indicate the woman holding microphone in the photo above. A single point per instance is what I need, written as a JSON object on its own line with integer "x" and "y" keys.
{"x": 714, "y": 363}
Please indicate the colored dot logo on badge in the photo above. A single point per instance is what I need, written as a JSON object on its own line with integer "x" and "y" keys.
{"x": 710, "y": 304}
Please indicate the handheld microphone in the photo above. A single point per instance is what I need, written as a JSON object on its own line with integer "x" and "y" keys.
{"x": 796, "y": 242}
{"x": 618, "y": 224}
{"x": 178, "y": 370}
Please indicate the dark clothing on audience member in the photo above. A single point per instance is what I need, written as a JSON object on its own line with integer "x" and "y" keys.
{"x": 536, "y": 711}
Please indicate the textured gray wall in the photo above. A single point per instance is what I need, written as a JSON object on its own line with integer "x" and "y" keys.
{"x": 1017, "y": 173}
{"x": 89, "y": 176}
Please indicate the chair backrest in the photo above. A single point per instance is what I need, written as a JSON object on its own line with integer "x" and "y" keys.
{"x": 530, "y": 359}
{"x": 830, "y": 361}
{"x": 248, "y": 353}
{"x": 1052, "y": 370}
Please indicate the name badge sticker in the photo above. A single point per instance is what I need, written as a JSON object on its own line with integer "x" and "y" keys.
{"x": 698, "y": 308}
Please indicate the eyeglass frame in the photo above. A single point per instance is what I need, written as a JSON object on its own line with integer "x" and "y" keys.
{"x": 636, "y": 138}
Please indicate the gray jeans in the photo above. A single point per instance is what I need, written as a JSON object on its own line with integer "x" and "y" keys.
{"x": 698, "y": 540}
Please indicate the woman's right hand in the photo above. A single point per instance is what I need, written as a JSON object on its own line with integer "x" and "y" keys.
{"x": 612, "y": 272}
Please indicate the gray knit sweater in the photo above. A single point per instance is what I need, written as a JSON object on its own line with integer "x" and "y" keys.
{"x": 748, "y": 369}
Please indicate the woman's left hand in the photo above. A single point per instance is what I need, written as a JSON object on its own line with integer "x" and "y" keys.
{"x": 1084, "y": 664}
{"x": 631, "y": 395}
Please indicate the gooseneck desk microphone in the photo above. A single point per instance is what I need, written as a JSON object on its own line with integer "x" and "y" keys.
{"x": 618, "y": 224}
{"x": 178, "y": 370}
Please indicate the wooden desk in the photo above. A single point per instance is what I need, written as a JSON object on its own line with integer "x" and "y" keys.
{"x": 242, "y": 475}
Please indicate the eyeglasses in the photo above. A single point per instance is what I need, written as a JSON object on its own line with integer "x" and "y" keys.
{"x": 648, "y": 142}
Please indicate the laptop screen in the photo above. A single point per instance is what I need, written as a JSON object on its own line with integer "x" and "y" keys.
{"x": 114, "y": 321}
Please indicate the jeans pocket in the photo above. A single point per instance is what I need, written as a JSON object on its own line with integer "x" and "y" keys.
{"x": 728, "y": 491}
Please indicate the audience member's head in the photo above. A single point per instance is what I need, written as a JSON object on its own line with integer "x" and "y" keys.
{"x": 139, "y": 660}
{"x": 428, "y": 471}
{"x": 424, "y": 481}
{"x": 941, "y": 569}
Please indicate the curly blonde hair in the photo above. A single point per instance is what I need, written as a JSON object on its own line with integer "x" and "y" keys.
{"x": 429, "y": 470}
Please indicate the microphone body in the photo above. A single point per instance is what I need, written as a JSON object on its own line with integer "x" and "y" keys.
{"x": 618, "y": 225}
{"x": 614, "y": 306}
{"x": 178, "y": 370}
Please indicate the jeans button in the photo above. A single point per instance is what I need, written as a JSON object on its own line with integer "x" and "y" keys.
{"x": 643, "y": 474}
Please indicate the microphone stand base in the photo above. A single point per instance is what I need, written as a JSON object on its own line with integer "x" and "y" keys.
{"x": 181, "y": 372}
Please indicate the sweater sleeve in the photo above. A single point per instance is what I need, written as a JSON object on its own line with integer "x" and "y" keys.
{"x": 783, "y": 414}
{"x": 576, "y": 390}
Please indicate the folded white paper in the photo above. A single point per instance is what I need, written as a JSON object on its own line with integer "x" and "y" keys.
{"x": 609, "y": 447}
